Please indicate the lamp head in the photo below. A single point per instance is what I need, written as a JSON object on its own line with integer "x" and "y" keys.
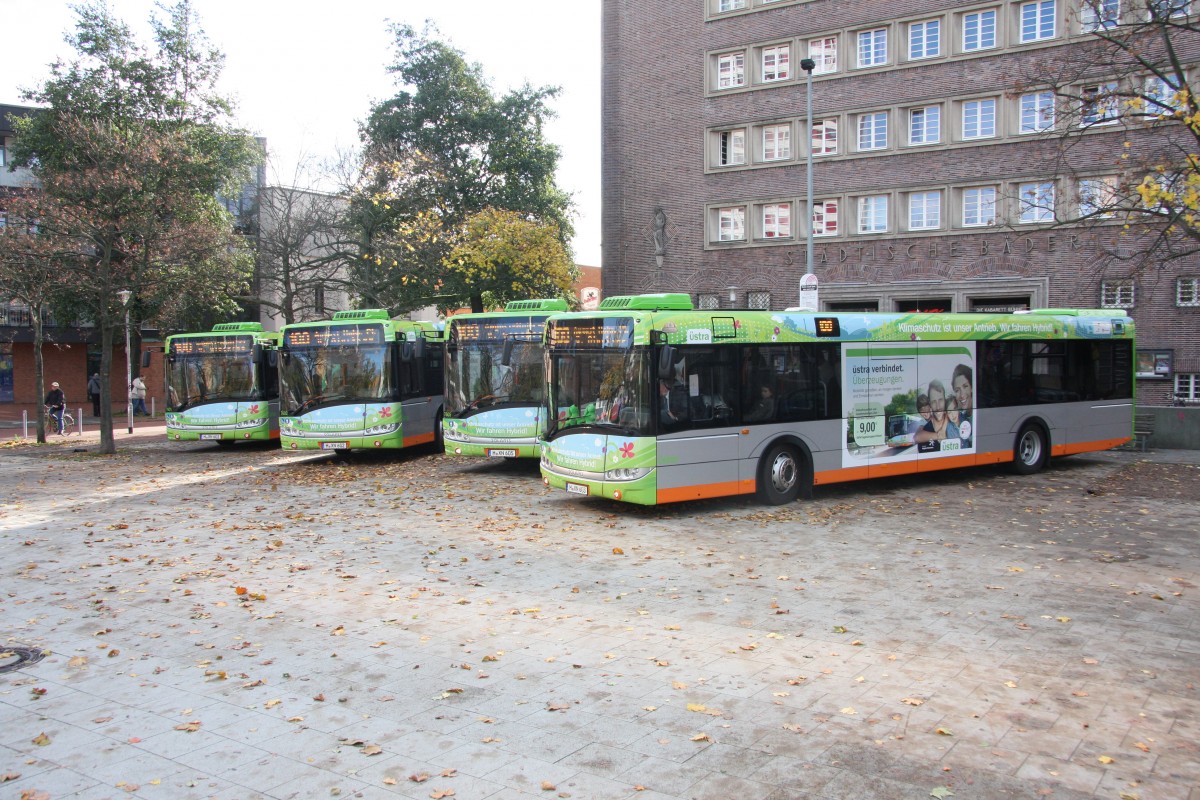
{"x": 124, "y": 294}
{"x": 808, "y": 64}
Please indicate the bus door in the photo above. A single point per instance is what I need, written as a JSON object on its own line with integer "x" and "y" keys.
{"x": 884, "y": 426}
{"x": 698, "y": 445}
{"x": 417, "y": 396}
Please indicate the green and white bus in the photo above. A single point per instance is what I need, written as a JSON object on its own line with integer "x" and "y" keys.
{"x": 495, "y": 380}
{"x": 652, "y": 401}
{"x": 360, "y": 381}
{"x": 222, "y": 385}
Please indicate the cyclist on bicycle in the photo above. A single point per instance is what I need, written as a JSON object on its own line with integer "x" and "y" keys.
{"x": 56, "y": 404}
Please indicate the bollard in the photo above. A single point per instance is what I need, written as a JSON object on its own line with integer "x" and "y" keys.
{"x": 153, "y": 407}
{"x": 25, "y": 423}
{"x": 79, "y": 421}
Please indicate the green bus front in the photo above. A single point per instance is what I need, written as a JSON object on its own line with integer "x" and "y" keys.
{"x": 222, "y": 385}
{"x": 495, "y": 381}
{"x": 360, "y": 381}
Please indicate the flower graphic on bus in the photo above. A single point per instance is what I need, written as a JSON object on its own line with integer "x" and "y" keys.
{"x": 254, "y": 408}
{"x": 385, "y": 411}
{"x": 627, "y": 450}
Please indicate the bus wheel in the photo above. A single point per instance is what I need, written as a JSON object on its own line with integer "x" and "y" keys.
{"x": 1029, "y": 453}
{"x": 439, "y": 444}
{"x": 779, "y": 475}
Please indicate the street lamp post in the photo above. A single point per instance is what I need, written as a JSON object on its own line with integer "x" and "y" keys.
{"x": 808, "y": 65}
{"x": 125, "y": 296}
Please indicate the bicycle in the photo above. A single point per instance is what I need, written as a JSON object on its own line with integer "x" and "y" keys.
{"x": 68, "y": 422}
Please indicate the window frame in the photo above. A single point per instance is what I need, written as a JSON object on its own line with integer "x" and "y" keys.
{"x": 1117, "y": 291}
{"x": 936, "y": 194}
{"x": 1039, "y": 20}
{"x": 1103, "y": 100}
{"x": 980, "y": 104}
{"x": 821, "y": 208}
{"x": 1042, "y": 207}
{"x": 1108, "y": 190}
{"x": 980, "y": 202}
{"x": 786, "y": 224}
{"x": 925, "y": 51}
{"x": 872, "y": 128}
{"x": 1099, "y": 15}
{"x": 726, "y": 148}
{"x": 827, "y": 124}
{"x": 826, "y": 57}
{"x": 1180, "y": 299}
{"x": 1037, "y": 111}
{"x": 875, "y": 47}
{"x": 872, "y": 208}
{"x": 981, "y": 30}
{"x": 781, "y": 75}
{"x": 776, "y": 128}
{"x": 736, "y": 70}
{"x": 925, "y": 140}
{"x": 737, "y": 223}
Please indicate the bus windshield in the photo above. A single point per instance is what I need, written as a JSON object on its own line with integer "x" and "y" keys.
{"x": 207, "y": 378}
{"x": 349, "y": 367}
{"x": 494, "y": 362}
{"x": 607, "y": 388}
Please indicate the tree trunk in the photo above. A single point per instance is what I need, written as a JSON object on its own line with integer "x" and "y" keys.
{"x": 39, "y": 367}
{"x": 107, "y": 444}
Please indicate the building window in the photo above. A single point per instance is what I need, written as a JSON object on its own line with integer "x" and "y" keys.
{"x": 1037, "y": 112}
{"x": 979, "y": 30}
{"x": 824, "y": 137}
{"x": 979, "y": 119}
{"x": 1036, "y": 202}
{"x": 777, "y": 221}
{"x": 1037, "y": 20}
{"x": 708, "y": 302}
{"x": 979, "y": 206}
{"x": 1098, "y": 197}
{"x": 776, "y": 142}
{"x": 731, "y": 148}
{"x": 3, "y": 154}
{"x": 872, "y": 47}
{"x": 1187, "y": 386}
{"x": 873, "y": 214}
{"x": 924, "y": 210}
{"x": 730, "y": 5}
{"x": 925, "y": 39}
{"x": 759, "y": 300}
{"x": 731, "y": 224}
{"x": 925, "y": 125}
{"x": 1116, "y": 294}
{"x": 825, "y": 218}
{"x": 824, "y": 52}
{"x": 1099, "y": 104}
{"x": 1099, "y": 15}
{"x": 872, "y": 131}
{"x": 1187, "y": 292}
{"x": 776, "y": 63}
{"x": 1162, "y": 99}
{"x": 731, "y": 70}
{"x": 1165, "y": 9}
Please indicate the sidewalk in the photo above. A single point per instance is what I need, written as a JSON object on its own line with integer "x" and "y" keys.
{"x": 142, "y": 426}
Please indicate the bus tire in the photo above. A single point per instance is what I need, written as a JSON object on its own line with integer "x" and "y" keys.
{"x": 439, "y": 444}
{"x": 780, "y": 475}
{"x": 1031, "y": 449}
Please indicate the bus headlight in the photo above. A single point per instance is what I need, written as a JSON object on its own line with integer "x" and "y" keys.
{"x": 381, "y": 430}
{"x": 632, "y": 474}
{"x": 454, "y": 435}
{"x": 250, "y": 423}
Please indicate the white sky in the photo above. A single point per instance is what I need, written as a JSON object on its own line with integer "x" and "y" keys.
{"x": 304, "y": 74}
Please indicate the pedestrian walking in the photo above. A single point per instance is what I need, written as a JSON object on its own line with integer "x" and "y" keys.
{"x": 94, "y": 393}
{"x": 138, "y": 393}
{"x": 56, "y": 401}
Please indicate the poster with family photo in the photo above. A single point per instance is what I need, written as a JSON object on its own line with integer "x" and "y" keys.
{"x": 905, "y": 400}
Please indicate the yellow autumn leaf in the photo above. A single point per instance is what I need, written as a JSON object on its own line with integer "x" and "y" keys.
{"x": 1105, "y": 759}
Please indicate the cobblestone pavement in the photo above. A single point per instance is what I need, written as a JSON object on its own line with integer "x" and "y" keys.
{"x": 189, "y": 622}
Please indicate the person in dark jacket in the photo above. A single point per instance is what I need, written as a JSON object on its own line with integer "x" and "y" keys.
{"x": 56, "y": 401}
{"x": 94, "y": 393}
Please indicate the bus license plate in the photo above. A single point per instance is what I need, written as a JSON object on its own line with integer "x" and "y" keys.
{"x": 502, "y": 453}
{"x": 334, "y": 445}
{"x": 577, "y": 488}
{"x": 215, "y": 436}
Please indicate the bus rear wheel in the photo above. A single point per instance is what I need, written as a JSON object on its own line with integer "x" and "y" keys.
{"x": 439, "y": 444}
{"x": 1029, "y": 452}
{"x": 779, "y": 475}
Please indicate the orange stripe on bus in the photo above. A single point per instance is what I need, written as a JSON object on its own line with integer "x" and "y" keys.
{"x": 420, "y": 438}
{"x": 723, "y": 489}
{"x": 1086, "y": 447}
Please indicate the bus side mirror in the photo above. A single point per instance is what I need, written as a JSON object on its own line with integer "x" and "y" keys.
{"x": 666, "y": 362}
{"x": 506, "y": 358}
{"x": 273, "y": 358}
{"x": 145, "y": 359}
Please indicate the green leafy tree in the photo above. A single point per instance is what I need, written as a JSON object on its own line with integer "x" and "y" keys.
{"x": 505, "y": 256}
{"x": 443, "y": 149}
{"x": 130, "y": 150}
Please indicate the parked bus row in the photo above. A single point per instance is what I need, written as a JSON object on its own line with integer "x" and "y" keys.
{"x": 649, "y": 400}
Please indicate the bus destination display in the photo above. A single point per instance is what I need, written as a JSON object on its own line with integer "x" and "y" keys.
{"x": 592, "y": 333}
{"x": 212, "y": 345}
{"x": 828, "y": 327}
{"x": 495, "y": 330}
{"x": 335, "y": 336}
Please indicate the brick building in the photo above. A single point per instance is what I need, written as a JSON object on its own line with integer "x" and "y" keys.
{"x": 936, "y": 180}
